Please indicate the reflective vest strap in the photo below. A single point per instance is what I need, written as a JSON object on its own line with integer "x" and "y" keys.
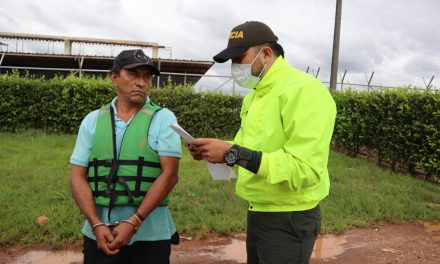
{"x": 126, "y": 178}
{"x": 139, "y": 174}
{"x": 122, "y": 193}
{"x": 127, "y": 189}
{"x": 112, "y": 175}
{"x": 109, "y": 162}
{"x": 95, "y": 176}
{"x": 112, "y": 118}
{"x": 112, "y": 200}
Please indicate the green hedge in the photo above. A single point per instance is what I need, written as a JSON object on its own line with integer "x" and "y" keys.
{"x": 59, "y": 105}
{"x": 401, "y": 125}
{"x": 202, "y": 114}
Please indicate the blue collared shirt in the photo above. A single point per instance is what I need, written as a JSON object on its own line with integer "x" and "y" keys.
{"x": 161, "y": 138}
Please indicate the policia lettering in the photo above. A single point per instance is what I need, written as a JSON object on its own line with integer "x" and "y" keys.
{"x": 123, "y": 179}
{"x": 236, "y": 35}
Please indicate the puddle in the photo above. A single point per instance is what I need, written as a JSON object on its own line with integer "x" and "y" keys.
{"x": 236, "y": 251}
{"x": 326, "y": 247}
{"x": 433, "y": 230}
{"x": 329, "y": 246}
{"x": 381, "y": 242}
{"x": 49, "y": 257}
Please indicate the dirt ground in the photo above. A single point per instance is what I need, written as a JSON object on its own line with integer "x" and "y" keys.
{"x": 385, "y": 243}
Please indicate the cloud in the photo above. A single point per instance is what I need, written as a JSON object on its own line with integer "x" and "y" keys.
{"x": 397, "y": 39}
{"x": 422, "y": 66}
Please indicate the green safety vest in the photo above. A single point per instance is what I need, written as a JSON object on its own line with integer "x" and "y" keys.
{"x": 123, "y": 180}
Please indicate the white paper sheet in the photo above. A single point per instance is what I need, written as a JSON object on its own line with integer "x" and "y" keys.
{"x": 179, "y": 130}
{"x": 218, "y": 171}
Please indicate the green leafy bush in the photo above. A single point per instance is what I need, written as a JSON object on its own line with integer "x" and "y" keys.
{"x": 402, "y": 125}
{"x": 59, "y": 105}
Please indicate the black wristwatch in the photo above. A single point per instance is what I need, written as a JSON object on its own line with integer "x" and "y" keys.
{"x": 231, "y": 155}
{"x": 237, "y": 155}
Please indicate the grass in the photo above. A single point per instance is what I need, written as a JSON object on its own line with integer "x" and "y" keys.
{"x": 362, "y": 194}
{"x": 34, "y": 170}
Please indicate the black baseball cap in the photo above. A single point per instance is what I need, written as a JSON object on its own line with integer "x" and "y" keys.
{"x": 128, "y": 59}
{"x": 243, "y": 36}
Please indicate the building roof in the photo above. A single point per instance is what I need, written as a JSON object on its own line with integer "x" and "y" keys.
{"x": 49, "y": 64}
{"x": 12, "y": 35}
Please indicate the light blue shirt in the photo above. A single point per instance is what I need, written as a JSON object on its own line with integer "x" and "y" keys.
{"x": 161, "y": 138}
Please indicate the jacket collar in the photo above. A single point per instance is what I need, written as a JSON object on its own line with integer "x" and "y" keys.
{"x": 266, "y": 83}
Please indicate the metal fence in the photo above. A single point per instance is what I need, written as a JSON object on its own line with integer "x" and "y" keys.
{"x": 368, "y": 86}
{"x": 229, "y": 86}
{"x": 226, "y": 83}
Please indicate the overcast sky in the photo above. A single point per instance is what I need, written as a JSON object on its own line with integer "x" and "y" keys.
{"x": 397, "y": 39}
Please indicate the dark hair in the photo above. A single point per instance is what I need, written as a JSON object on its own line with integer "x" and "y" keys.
{"x": 276, "y": 48}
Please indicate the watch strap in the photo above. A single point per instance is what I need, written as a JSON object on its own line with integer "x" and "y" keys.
{"x": 249, "y": 159}
{"x": 245, "y": 155}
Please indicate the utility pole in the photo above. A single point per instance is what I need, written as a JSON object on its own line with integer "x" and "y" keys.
{"x": 336, "y": 37}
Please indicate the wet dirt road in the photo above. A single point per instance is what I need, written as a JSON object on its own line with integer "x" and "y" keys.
{"x": 385, "y": 243}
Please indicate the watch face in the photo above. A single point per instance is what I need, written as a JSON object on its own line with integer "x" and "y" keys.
{"x": 231, "y": 156}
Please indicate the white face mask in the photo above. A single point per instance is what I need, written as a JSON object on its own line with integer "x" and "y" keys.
{"x": 242, "y": 73}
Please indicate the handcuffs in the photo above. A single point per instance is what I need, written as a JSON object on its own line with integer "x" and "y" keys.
{"x": 113, "y": 225}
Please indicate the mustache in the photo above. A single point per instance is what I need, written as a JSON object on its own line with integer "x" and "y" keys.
{"x": 139, "y": 91}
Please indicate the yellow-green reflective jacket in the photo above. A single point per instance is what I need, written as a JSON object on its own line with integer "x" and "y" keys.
{"x": 289, "y": 116}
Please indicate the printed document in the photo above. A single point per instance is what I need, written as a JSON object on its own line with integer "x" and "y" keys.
{"x": 218, "y": 171}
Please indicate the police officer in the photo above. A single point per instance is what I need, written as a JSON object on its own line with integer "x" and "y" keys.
{"x": 124, "y": 165}
{"x": 281, "y": 148}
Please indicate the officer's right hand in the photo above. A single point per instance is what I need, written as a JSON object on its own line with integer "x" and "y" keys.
{"x": 104, "y": 237}
{"x": 194, "y": 152}
{"x": 211, "y": 149}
